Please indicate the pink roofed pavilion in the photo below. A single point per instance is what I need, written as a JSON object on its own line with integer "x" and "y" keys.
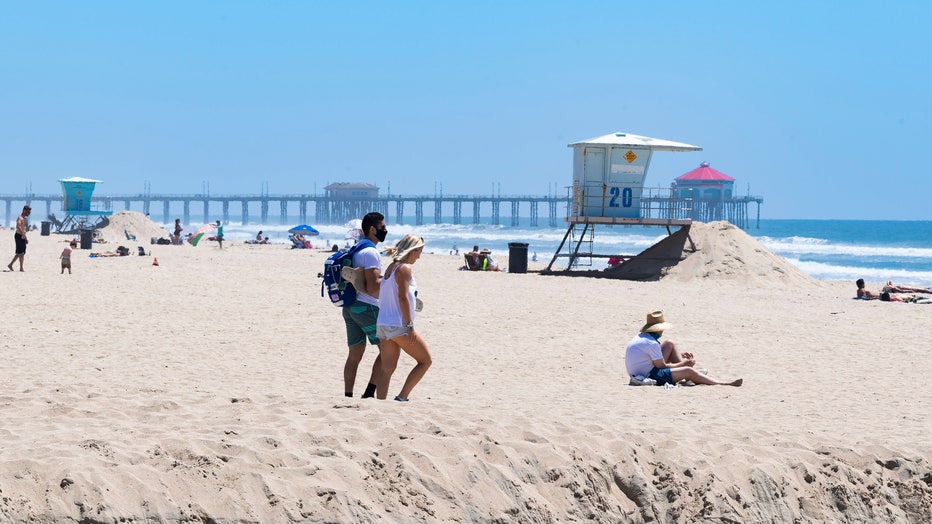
{"x": 705, "y": 183}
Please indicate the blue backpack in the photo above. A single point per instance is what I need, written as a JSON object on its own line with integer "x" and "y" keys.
{"x": 341, "y": 292}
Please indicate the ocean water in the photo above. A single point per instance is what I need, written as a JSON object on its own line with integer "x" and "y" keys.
{"x": 825, "y": 249}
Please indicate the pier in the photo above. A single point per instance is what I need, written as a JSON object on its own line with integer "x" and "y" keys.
{"x": 315, "y": 209}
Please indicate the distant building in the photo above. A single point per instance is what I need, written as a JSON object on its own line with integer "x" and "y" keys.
{"x": 705, "y": 183}
{"x": 354, "y": 190}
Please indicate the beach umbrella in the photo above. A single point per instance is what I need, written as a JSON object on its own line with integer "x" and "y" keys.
{"x": 304, "y": 229}
{"x": 201, "y": 231}
{"x": 355, "y": 229}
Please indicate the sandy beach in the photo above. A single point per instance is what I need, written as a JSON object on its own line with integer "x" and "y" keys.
{"x": 209, "y": 388}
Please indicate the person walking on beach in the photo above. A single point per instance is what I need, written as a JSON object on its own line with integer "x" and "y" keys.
{"x": 219, "y": 235}
{"x": 22, "y": 226}
{"x": 396, "y": 318}
{"x": 645, "y": 356}
{"x": 360, "y": 316}
{"x": 66, "y": 257}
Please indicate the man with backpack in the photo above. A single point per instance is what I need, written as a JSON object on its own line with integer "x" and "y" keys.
{"x": 360, "y": 316}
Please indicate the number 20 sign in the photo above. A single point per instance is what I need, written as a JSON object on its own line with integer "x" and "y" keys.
{"x": 621, "y": 197}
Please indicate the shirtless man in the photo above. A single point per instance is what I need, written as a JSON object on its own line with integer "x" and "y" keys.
{"x": 22, "y": 225}
{"x": 863, "y": 293}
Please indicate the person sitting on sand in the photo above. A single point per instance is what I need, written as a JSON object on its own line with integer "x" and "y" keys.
{"x": 863, "y": 293}
{"x": 645, "y": 356}
{"x": 472, "y": 259}
{"x": 486, "y": 263}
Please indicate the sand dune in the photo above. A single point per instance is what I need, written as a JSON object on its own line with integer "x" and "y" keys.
{"x": 209, "y": 388}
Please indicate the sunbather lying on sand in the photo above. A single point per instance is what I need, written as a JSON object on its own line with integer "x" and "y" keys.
{"x": 891, "y": 288}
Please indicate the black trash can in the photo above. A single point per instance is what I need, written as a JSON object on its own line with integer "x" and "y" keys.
{"x": 87, "y": 238}
{"x": 46, "y": 228}
{"x": 517, "y": 257}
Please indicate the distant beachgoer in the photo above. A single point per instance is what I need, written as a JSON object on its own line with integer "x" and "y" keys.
{"x": 397, "y": 304}
{"x": 886, "y": 296}
{"x": 486, "y": 262}
{"x": 646, "y": 357}
{"x": 360, "y": 317}
{"x": 891, "y": 288}
{"x": 66, "y": 257}
{"x": 178, "y": 229}
{"x": 22, "y": 226}
{"x": 259, "y": 237}
{"x": 863, "y": 293}
{"x": 472, "y": 259}
{"x": 219, "y": 236}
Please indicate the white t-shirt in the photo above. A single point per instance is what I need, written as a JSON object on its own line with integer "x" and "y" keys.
{"x": 640, "y": 354}
{"x": 367, "y": 258}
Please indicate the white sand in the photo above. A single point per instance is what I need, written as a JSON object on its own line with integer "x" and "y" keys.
{"x": 210, "y": 388}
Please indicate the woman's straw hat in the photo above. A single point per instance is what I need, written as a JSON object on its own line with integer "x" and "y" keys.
{"x": 406, "y": 245}
{"x": 655, "y": 323}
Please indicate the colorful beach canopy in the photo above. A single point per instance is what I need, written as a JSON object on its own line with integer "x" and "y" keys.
{"x": 304, "y": 229}
{"x": 201, "y": 231}
{"x": 704, "y": 172}
{"x": 637, "y": 141}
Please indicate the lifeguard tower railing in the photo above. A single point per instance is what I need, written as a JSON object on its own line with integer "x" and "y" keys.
{"x": 76, "y": 204}
{"x": 657, "y": 207}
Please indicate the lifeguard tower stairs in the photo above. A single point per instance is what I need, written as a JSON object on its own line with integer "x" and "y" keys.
{"x": 76, "y": 204}
{"x": 608, "y": 190}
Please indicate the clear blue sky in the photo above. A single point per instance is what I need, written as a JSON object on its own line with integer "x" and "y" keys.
{"x": 822, "y": 108}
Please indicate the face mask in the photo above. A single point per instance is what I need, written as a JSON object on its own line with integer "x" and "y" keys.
{"x": 381, "y": 234}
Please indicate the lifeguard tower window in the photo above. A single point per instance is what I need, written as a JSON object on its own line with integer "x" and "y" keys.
{"x": 77, "y": 196}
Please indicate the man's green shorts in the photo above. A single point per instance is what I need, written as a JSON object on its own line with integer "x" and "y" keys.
{"x": 360, "y": 319}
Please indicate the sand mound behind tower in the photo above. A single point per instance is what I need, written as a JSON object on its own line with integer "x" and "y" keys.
{"x": 724, "y": 251}
{"x": 134, "y": 223}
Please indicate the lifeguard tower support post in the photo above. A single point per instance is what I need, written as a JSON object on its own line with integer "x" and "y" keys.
{"x": 77, "y": 193}
{"x": 608, "y": 187}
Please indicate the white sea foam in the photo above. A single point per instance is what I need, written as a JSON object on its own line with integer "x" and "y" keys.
{"x": 823, "y": 247}
{"x": 823, "y": 271}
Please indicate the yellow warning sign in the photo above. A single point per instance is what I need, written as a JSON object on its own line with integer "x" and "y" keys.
{"x": 630, "y": 156}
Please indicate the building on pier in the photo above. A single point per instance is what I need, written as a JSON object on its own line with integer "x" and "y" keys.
{"x": 712, "y": 196}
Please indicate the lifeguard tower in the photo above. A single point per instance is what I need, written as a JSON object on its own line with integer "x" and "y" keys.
{"x": 608, "y": 189}
{"x": 77, "y": 193}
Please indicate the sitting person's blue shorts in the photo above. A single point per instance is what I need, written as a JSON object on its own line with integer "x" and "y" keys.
{"x": 662, "y": 376}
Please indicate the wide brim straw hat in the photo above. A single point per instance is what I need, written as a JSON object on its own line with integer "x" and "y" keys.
{"x": 655, "y": 323}
{"x": 405, "y": 246}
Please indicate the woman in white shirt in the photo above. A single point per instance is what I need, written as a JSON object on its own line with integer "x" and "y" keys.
{"x": 395, "y": 325}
